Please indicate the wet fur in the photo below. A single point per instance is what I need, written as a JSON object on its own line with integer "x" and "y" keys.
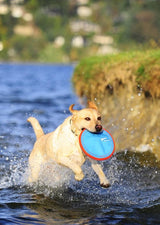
{"x": 62, "y": 145}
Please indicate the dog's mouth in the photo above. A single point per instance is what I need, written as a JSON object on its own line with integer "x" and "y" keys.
{"x": 96, "y": 130}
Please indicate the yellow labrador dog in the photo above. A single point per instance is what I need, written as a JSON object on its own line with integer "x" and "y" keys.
{"x": 62, "y": 145}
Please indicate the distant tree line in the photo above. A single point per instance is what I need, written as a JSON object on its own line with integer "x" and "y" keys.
{"x": 130, "y": 22}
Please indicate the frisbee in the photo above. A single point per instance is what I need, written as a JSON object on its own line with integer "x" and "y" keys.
{"x": 98, "y": 146}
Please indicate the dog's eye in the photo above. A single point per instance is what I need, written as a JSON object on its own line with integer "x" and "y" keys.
{"x": 88, "y": 118}
{"x": 99, "y": 118}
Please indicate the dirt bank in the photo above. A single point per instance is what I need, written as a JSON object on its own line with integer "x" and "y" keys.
{"x": 127, "y": 89}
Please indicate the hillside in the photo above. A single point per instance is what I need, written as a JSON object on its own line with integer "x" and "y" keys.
{"x": 106, "y": 75}
{"x": 66, "y": 31}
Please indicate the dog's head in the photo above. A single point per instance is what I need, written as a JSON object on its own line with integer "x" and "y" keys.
{"x": 88, "y": 118}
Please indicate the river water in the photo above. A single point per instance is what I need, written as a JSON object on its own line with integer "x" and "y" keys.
{"x": 45, "y": 91}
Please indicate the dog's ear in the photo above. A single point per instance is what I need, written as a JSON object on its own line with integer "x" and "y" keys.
{"x": 92, "y": 105}
{"x": 73, "y": 111}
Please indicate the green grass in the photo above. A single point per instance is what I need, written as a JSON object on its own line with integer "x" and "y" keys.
{"x": 142, "y": 66}
{"x": 141, "y": 74}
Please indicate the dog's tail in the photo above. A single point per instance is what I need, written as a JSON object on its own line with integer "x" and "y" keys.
{"x": 36, "y": 127}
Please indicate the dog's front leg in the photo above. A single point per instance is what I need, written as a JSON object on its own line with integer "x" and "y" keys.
{"x": 104, "y": 182}
{"x": 73, "y": 166}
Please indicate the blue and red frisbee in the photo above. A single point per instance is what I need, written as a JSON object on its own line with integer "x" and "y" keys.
{"x": 98, "y": 146}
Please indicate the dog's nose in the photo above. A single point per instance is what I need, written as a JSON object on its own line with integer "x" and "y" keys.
{"x": 98, "y": 128}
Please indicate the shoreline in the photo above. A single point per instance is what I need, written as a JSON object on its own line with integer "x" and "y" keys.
{"x": 126, "y": 87}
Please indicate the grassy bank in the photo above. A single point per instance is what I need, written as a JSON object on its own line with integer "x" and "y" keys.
{"x": 136, "y": 71}
{"x": 127, "y": 89}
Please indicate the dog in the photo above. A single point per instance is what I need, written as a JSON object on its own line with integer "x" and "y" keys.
{"x": 62, "y": 145}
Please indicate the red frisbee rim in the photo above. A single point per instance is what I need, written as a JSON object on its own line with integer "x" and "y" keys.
{"x": 95, "y": 158}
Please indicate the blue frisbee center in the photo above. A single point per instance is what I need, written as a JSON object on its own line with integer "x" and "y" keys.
{"x": 99, "y": 146}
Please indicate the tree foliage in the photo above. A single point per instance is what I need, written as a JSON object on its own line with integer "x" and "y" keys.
{"x": 127, "y": 21}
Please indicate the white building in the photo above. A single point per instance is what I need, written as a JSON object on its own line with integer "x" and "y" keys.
{"x": 84, "y": 11}
{"x": 4, "y": 9}
{"x": 59, "y": 41}
{"x": 77, "y": 26}
{"x": 78, "y": 42}
{"x": 103, "y": 40}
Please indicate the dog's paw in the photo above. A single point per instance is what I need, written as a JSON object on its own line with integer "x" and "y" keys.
{"x": 79, "y": 176}
{"x": 107, "y": 185}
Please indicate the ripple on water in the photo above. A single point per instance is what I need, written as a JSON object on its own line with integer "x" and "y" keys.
{"x": 45, "y": 92}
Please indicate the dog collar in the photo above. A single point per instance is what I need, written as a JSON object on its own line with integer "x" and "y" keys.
{"x": 71, "y": 128}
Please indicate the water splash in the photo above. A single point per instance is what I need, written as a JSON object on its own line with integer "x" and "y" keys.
{"x": 131, "y": 183}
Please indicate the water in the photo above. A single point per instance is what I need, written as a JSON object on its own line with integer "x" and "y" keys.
{"x": 45, "y": 91}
